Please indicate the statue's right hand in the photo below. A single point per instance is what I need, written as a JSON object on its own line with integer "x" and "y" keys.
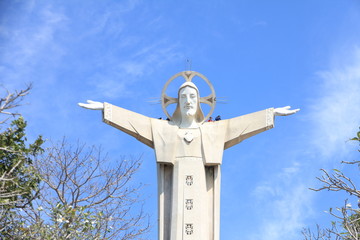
{"x": 92, "y": 105}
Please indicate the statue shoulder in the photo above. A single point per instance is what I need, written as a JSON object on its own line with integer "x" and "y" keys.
{"x": 163, "y": 125}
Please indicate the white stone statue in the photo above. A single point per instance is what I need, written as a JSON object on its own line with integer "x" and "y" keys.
{"x": 188, "y": 154}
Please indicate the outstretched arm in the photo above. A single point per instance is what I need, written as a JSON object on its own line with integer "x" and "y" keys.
{"x": 243, "y": 127}
{"x": 134, "y": 124}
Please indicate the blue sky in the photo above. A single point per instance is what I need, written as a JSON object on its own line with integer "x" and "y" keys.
{"x": 257, "y": 54}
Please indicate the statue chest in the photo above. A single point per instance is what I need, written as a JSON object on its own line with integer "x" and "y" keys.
{"x": 188, "y": 143}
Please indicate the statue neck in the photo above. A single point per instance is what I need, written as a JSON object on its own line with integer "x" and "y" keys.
{"x": 188, "y": 122}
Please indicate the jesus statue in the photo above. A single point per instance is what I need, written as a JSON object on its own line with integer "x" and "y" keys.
{"x": 189, "y": 155}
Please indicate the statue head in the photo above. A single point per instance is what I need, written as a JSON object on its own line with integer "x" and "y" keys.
{"x": 188, "y": 104}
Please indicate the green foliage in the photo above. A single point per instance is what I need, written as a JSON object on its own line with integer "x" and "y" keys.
{"x": 18, "y": 179}
{"x": 357, "y": 138}
{"x": 19, "y": 176}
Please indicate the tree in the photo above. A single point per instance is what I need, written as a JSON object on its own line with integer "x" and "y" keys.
{"x": 83, "y": 196}
{"x": 17, "y": 176}
{"x": 347, "y": 224}
{"x": 18, "y": 179}
{"x": 65, "y": 191}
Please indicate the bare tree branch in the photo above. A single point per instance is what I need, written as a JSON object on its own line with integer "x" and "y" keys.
{"x": 83, "y": 186}
{"x": 12, "y": 100}
{"x": 347, "y": 226}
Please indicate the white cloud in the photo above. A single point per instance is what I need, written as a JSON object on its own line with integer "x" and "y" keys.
{"x": 335, "y": 117}
{"x": 120, "y": 75}
{"x": 287, "y": 214}
{"x": 260, "y": 23}
{"x": 109, "y": 20}
{"x": 280, "y": 180}
{"x": 27, "y": 44}
{"x": 284, "y": 203}
{"x": 110, "y": 85}
{"x": 335, "y": 114}
{"x": 148, "y": 58}
{"x": 134, "y": 53}
{"x": 288, "y": 172}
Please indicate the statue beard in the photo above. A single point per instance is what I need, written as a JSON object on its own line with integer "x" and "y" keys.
{"x": 190, "y": 112}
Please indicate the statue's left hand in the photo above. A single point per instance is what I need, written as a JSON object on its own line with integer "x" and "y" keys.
{"x": 285, "y": 111}
{"x": 92, "y": 105}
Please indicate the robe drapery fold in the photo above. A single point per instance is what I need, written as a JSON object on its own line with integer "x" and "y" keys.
{"x": 173, "y": 192}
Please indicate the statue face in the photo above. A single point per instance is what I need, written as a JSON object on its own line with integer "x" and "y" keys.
{"x": 188, "y": 101}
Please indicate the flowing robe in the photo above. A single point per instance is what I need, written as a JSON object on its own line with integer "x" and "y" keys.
{"x": 188, "y": 163}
